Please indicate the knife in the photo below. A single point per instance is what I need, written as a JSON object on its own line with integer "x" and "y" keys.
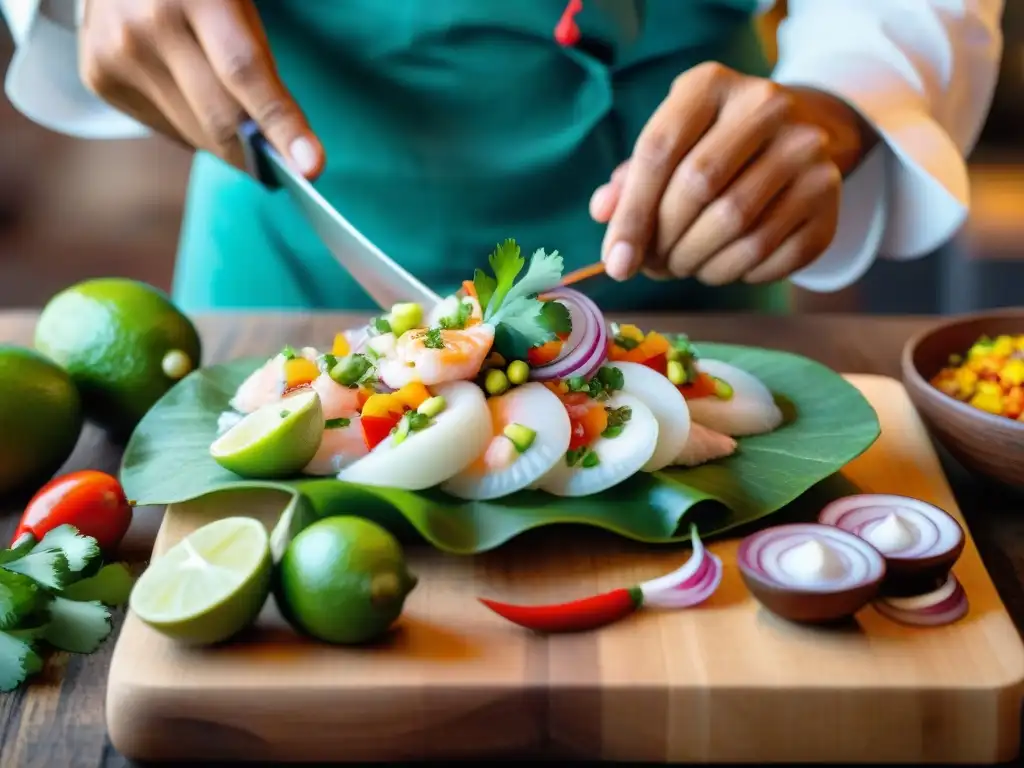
{"x": 385, "y": 281}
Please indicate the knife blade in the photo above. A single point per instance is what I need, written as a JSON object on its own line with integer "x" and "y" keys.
{"x": 385, "y": 281}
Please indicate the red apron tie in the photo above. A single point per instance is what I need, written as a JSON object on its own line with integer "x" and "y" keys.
{"x": 567, "y": 32}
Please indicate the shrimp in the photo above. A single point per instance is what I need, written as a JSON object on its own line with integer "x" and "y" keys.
{"x": 339, "y": 447}
{"x": 336, "y": 400}
{"x": 266, "y": 383}
{"x": 460, "y": 356}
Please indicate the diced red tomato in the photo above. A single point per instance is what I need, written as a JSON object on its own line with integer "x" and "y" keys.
{"x": 658, "y": 363}
{"x": 376, "y": 428}
{"x": 587, "y": 417}
{"x": 704, "y": 386}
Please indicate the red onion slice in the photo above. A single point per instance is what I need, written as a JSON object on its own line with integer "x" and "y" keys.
{"x": 766, "y": 552}
{"x": 897, "y": 526}
{"x": 690, "y": 585}
{"x": 587, "y": 346}
{"x": 943, "y": 606}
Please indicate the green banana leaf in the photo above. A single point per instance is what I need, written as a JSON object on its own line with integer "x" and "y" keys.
{"x": 828, "y": 423}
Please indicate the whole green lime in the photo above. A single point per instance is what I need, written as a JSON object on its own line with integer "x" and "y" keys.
{"x": 343, "y": 580}
{"x": 124, "y": 344}
{"x": 40, "y": 419}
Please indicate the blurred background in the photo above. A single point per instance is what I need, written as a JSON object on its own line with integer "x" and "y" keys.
{"x": 72, "y": 209}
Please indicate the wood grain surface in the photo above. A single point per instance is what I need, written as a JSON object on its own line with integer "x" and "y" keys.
{"x": 725, "y": 682}
{"x": 58, "y": 719}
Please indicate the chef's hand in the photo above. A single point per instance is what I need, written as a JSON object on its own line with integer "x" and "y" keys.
{"x": 192, "y": 70}
{"x": 733, "y": 178}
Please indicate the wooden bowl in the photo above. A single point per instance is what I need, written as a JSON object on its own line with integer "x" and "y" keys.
{"x": 992, "y": 446}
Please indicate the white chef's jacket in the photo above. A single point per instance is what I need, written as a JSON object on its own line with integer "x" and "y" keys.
{"x": 921, "y": 71}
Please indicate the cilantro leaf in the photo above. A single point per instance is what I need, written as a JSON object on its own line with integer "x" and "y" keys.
{"x": 48, "y": 568}
{"x": 18, "y": 552}
{"x": 543, "y": 273}
{"x": 556, "y": 317}
{"x": 77, "y": 627}
{"x": 17, "y": 661}
{"x": 111, "y": 586}
{"x": 523, "y": 317}
{"x": 20, "y": 596}
{"x": 484, "y": 286}
{"x": 80, "y": 551}
{"x": 433, "y": 339}
{"x": 506, "y": 263}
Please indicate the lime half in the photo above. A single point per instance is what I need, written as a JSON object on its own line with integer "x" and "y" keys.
{"x": 278, "y": 440}
{"x": 210, "y": 585}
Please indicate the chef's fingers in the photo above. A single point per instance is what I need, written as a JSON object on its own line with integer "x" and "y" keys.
{"x": 795, "y": 229}
{"x": 606, "y": 197}
{"x": 751, "y": 117}
{"x": 739, "y": 206}
{"x": 233, "y": 40}
{"x": 675, "y": 127}
{"x": 217, "y": 113}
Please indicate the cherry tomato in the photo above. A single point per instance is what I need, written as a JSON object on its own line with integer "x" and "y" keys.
{"x": 93, "y": 502}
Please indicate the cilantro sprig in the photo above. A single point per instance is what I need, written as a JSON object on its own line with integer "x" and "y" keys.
{"x": 54, "y": 592}
{"x": 509, "y": 301}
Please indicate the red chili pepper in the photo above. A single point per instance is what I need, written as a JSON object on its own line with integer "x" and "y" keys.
{"x": 575, "y": 616}
{"x": 93, "y": 502}
{"x": 567, "y": 32}
{"x": 377, "y": 428}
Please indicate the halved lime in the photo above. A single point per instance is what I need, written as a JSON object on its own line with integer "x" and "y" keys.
{"x": 210, "y": 585}
{"x": 278, "y": 440}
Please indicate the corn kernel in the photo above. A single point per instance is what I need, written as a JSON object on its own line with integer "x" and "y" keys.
{"x": 989, "y": 402}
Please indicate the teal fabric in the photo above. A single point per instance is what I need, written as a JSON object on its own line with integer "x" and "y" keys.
{"x": 451, "y": 125}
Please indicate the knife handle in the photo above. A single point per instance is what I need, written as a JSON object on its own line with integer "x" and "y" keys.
{"x": 255, "y": 148}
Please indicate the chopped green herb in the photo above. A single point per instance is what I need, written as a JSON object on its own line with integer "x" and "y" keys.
{"x": 380, "y": 325}
{"x": 284, "y": 414}
{"x": 458, "y": 319}
{"x": 617, "y": 420}
{"x": 512, "y": 307}
{"x": 432, "y": 339}
{"x": 607, "y": 381}
{"x": 584, "y": 457}
{"x": 611, "y": 378}
{"x": 556, "y": 317}
{"x": 625, "y": 342}
{"x": 338, "y": 423}
{"x": 288, "y": 352}
{"x": 326, "y": 362}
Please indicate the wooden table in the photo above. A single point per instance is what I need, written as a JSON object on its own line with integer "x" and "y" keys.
{"x": 58, "y": 719}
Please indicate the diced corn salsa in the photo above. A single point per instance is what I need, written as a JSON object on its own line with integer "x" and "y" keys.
{"x": 990, "y": 377}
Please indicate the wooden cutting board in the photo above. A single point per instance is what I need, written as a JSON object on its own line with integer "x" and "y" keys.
{"x": 722, "y": 682}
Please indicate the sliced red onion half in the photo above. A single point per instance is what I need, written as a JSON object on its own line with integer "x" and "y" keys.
{"x": 810, "y": 572}
{"x": 587, "y": 346}
{"x": 945, "y": 605}
{"x": 690, "y": 585}
{"x": 919, "y": 541}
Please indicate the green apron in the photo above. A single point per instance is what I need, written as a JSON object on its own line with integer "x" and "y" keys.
{"x": 450, "y": 125}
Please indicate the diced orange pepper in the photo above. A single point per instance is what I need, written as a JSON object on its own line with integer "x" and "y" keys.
{"x": 341, "y": 346}
{"x": 704, "y": 386}
{"x": 616, "y": 353}
{"x": 382, "y": 406}
{"x": 299, "y": 371}
{"x": 469, "y": 288}
{"x": 412, "y": 395}
{"x": 654, "y": 344}
{"x": 558, "y": 387}
{"x": 544, "y": 354}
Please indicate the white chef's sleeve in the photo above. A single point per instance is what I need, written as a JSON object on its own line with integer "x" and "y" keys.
{"x": 42, "y": 80}
{"x": 922, "y": 72}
